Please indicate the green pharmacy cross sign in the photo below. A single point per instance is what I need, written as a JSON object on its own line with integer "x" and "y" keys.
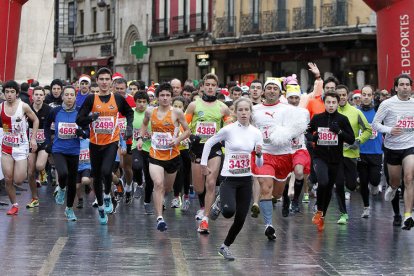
{"x": 139, "y": 49}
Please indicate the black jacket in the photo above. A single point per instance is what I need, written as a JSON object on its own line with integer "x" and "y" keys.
{"x": 330, "y": 153}
{"x": 52, "y": 101}
{"x": 24, "y": 96}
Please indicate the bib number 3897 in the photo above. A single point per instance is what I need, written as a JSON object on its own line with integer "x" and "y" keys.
{"x": 327, "y": 137}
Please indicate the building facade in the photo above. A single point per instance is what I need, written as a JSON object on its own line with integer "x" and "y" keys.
{"x": 261, "y": 38}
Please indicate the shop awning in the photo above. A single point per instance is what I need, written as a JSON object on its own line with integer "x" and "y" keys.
{"x": 89, "y": 62}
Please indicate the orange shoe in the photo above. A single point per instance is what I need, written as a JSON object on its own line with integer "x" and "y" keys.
{"x": 203, "y": 228}
{"x": 319, "y": 221}
{"x": 317, "y": 217}
{"x": 14, "y": 210}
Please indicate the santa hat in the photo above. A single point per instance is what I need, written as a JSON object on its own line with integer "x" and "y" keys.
{"x": 151, "y": 91}
{"x": 85, "y": 78}
{"x": 357, "y": 93}
{"x": 117, "y": 76}
{"x": 273, "y": 81}
{"x": 292, "y": 90}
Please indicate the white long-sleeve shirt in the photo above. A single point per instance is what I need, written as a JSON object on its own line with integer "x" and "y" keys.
{"x": 394, "y": 112}
{"x": 240, "y": 141}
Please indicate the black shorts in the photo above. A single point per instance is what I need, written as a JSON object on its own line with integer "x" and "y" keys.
{"x": 196, "y": 151}
{"x": 84, "y": 173}
{"x": 40, "y": 147}
{"x": 395, "y": 157}
{"x": 170, "y": 166}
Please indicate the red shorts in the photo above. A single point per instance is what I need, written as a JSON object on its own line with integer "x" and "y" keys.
{"x": 302, "y": 157}
{"x": 277, "y": 167}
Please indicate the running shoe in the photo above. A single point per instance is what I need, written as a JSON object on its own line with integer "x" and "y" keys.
{"x": 186, "y": 204}
{"x": 318, "y": 220}
{"x": 80, "y": 203}
{"x": 33, "y": 203}
{"x": 70, "y": 215}
{"x": 203, "y": 227}
{"x": 347, "y": 196}
{"x": 314, "y": 190}
{"x": 343, "y": 219}
{"x": 397, "y": 220}
{"x": 161, "y": 225}
{"x": 139, "y": 192}
{"x": 390, "y": 193}
{"x": 294, "y": 206}
{"x": 108, "y": 207}
{"x": 305, "y": 198}
{"x": 128, "y": 198}
{"x": 366, "y": 213}
{"x": 95, "y": 203}
{"x": 55, "y": 191}
{"x": 38, "y": 185}
{"x": 200, "y": 214}
{"x": 119, "y": 188}
{"x": 103, "y": 218}
{"x": 255, "y": 210}
{"x": 270, "y": 233}
{"x": 43, "y": 177}
{"x": 408, "y": 224}
{"x": 14, "y": 210}
{"x": 226, "y": 253}
{"x": 115, "y": 205}
{"x": 175, "y": 202}
{"x": 215, "y": 209}
{"x": 148, "y": 209}
{"x": 60, "y": 196}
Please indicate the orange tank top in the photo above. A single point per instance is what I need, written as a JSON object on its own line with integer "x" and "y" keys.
{"x": 105, "y": 129}
{"x": 162, "y": 132}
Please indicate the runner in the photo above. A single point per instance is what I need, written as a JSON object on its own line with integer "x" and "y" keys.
{"x": 100, "y": 111}
{"x": 206, "y": 116}
{"x": 241, "y": 141}
{"x": 395, "y": 118}
{"x": 164, "y": 153}
{"x": 328, "y": 130}
{"x": 37, "y": 159}
{"x": 279, "y": 124}
{"x": 65, "y": 148}
{"x": 15, "y": 145}
{"x": 84, "y": 84}
{"x": 83, "y": 179}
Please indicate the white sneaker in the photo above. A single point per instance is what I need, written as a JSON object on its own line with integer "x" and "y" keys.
{"x": 390, "y": 193}
{"x": 347, "y": 195}
{"x": 186, "y": 204}
{"x": 175, "y": 202}
{"x": 374, "y": 189}
{"x": 366, "y": 213}
{"x": 200, "y": 214}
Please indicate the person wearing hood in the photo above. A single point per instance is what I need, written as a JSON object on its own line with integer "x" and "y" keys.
{"x": 54, "y": 99}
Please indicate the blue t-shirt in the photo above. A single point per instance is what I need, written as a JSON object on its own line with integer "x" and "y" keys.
{"x": 374, "y": 144}
{"x": 84, "y": 158}
{"x": 80, "y": 99}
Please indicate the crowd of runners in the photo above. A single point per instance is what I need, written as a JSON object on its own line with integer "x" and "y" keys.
{"x": 239, "y": 148}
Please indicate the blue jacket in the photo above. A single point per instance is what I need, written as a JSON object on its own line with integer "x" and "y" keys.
{"x": 374, "y": 144}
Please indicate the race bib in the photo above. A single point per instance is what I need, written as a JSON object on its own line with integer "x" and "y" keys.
{"x": 295, "y": 143}
{"x": 239, "y": 163}
{"x": 40, "y": 135}
{"x": 327, "y": 137}
{"x": 67, "y": 130}
{"x": 84, "y": 156}
{"x": 104, "y": 125}
{"x": 161, "y": 140}
{"x": 406, "y": 123}
{"x": 137, "y": 131}
{"x": 11, "y": 139}
{"x": 122, "y": 125}
{"x": 265, "y": 133}
{"x": 205, "y": 129}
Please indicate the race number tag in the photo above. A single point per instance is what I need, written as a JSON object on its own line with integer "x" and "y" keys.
{"x": 122, "y": 125}
{"x": 406, "y": 123}
{"x": 11, "y": 139}
{"x": 40, "y": 135}
{"x": 161, "y": 140}
{"x": 265, "y": 133}
{"x": 104, "y": 125}
{"x": 205, "y": 129}
{"x": 295, "y": 143}
{"x": 136, "y": 133}
{"x": 239, "y": 163}
{"x": 67, "y": 130}
{"x": 84, "y": 156}
{"x": 327, "y": 137}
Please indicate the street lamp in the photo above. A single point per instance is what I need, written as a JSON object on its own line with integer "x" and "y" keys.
{"x": 101, "y": 5}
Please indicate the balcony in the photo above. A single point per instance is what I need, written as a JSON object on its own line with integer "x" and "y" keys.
{"x": 225, "y": 26}
{"x": 159, "y": 28}
{"x": 250, "y": 24}
{"x": 197, "y": 25}
{"x": 304, "y": 18}
{"x": 178, "y": 25}
{"x": 274, "y": 21}
{"x": 335, "y": 14}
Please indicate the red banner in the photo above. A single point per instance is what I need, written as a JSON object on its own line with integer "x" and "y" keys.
{"x": 10, "y": 13}
{"x": 395, "y": 39}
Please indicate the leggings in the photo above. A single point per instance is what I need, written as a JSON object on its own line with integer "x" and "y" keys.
{"x": 67, "y": 167}
{"x": 326, "y": 174}
{"x": 140, "y": 162}
{"x": 369, "y": 170}
{"x": 102, "y": 160}
{"x": 183, "y": 174}
{"x": 235, "y": 195}
{"x": 347, "y": 175}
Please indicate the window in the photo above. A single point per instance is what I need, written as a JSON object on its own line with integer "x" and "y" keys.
{"x": 281, "y": 15}
{"x": 108, "y": 19}
{"x": 255, "y": 12}
{"x": 94, "y": 18}
{"x": 71, "y": 18}
{"x": 81, "y": 22}
{"x": 230, "y": 15}
{"x": 309, "y": 14}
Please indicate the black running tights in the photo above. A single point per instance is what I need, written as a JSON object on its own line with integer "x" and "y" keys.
{"x": 67, "y": 168}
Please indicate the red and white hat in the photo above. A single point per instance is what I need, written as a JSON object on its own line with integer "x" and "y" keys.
{"x": 85, "y": 77}
{"x": 151, "y": 91}
{"x": 357, "y": 93}
{"x": 117, "y": 75}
